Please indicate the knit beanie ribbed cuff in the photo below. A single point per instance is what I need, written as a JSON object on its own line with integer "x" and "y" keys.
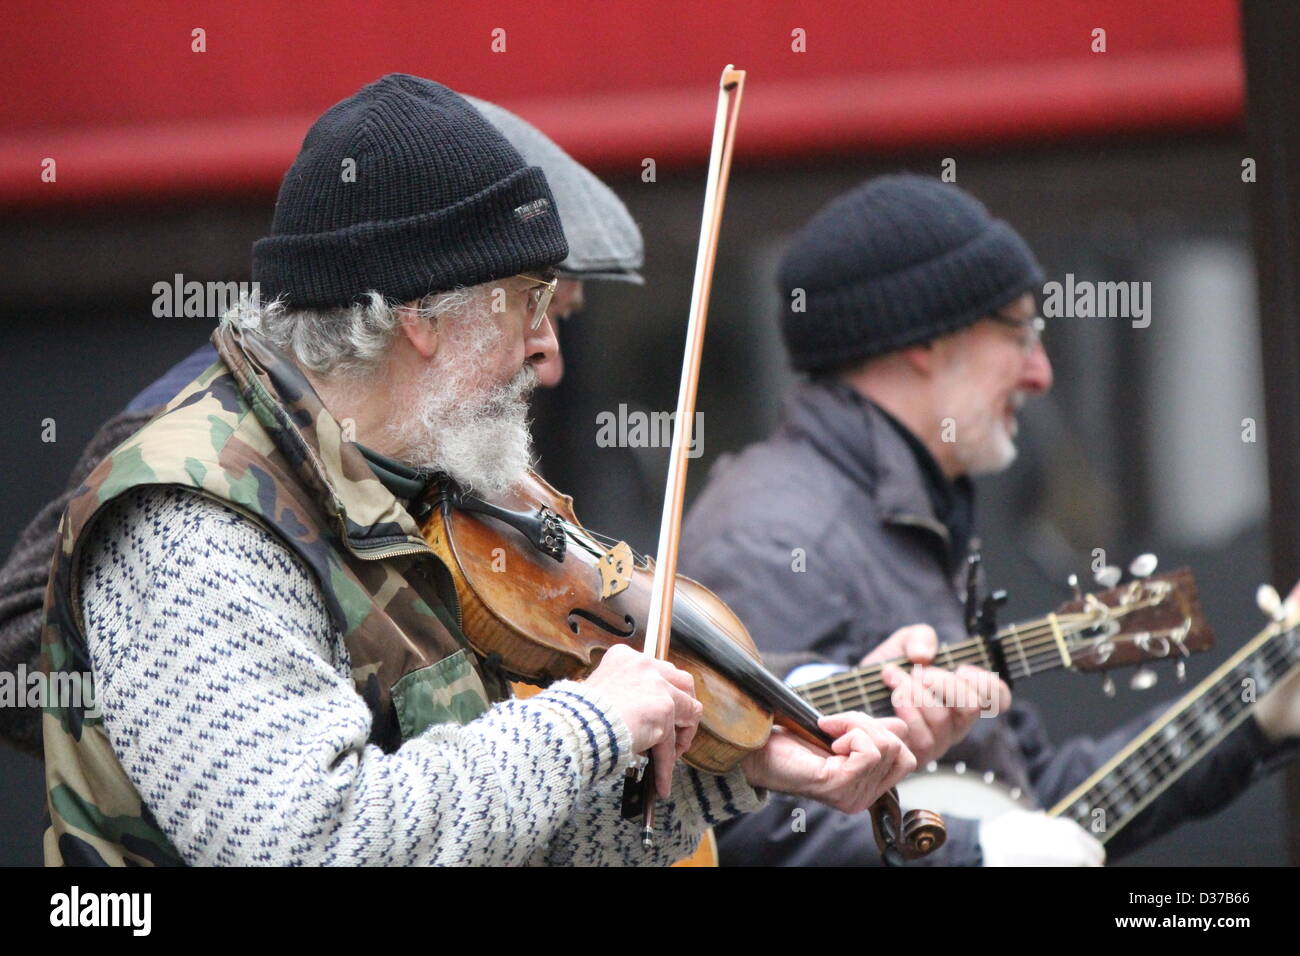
{"x": 882, "y": 314}
{"x": 498, "y": 232}
{"x": 898, "y": 261}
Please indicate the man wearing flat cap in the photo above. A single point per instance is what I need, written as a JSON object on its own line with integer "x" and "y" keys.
{"x": 272, "y": 656}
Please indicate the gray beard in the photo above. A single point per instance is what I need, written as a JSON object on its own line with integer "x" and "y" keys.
{"x": 477, "y": 436}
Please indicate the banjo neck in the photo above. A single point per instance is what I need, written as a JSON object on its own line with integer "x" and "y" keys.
{"x": 1123, "y": 787}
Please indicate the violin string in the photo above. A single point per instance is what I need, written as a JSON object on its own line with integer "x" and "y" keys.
{"x": 583, "y": 542}
{"x": 682, "y": 601}
{"x": 577, "y": 533}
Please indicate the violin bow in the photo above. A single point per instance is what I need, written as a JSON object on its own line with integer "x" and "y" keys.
{"x": 660, "y": 615}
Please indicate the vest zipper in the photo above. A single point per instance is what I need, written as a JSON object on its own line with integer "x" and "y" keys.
{"x": 397, "y": 551}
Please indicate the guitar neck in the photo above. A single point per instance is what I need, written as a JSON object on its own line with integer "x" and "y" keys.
{"x": 1028, "y": 648}
{"x": 1108, "y": 800}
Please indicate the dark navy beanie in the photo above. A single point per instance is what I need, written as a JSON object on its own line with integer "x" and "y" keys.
{"x": 896, "y": 262}
{"x": 439, "y": 199}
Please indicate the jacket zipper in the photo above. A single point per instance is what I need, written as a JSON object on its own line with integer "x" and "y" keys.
{"x": 397, "y": 551}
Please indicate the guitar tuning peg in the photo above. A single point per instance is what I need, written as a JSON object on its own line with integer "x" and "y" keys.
{"x": 1073, "y": 582}
{"x": 1181, "y": 672}
{"x": 1143, "y": 566}
{"x": 1144, "y": 678}
{"x": 1108, "y": 686}
{"x": 1270, "y": 602}
{"x": 1108, "y": 576}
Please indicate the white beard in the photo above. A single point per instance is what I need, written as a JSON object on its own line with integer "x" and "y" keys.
{"x": 984, "y": 444}
{"x": 453, "y": 424}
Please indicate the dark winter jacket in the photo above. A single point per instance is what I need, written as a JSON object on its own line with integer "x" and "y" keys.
{"x": 824, "y": 540}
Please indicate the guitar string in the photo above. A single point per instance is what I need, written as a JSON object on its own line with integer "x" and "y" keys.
{"x": 1120, "y": 792}
{"x": 865, "y": 683}
{"x": 1043, "y": 640}
{"x": 876, "y": 694}
{"x": 829, "y": 688}
{"x": 1042, "y": 645}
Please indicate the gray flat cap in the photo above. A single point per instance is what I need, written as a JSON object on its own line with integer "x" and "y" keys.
{"x": 604, "y": 242}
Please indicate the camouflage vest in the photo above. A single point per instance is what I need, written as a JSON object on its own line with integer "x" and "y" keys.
{"x": 251, "y": 433}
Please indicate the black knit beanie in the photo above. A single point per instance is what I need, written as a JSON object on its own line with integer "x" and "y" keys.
{"x": 439, "y": 199}
{"x": 896, "y": 262}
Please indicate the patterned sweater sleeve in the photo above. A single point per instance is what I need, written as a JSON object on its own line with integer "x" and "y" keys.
{"x": 227, "y": 696}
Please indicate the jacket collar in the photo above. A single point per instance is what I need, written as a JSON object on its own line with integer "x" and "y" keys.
{"x": 370, "y": 518}
{"x": 850, "y": 432}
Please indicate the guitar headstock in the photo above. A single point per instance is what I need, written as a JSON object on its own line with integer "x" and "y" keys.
{"x": 1149, "y": 618}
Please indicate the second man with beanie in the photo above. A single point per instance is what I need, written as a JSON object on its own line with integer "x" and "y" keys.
{"x": 911, "y": 309}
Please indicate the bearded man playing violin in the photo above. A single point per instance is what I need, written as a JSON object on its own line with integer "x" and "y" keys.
{"x": 604, "y": 244}
{"x": 274, "y": 666}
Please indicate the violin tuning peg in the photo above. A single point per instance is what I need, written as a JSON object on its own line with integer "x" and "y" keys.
{"x": 1144, "y": 678}
{"x": 1270, "y": 602}
{"x": 1108, "y": 576}
{"x": 1108, "y": 686}
{"x": 1073, "y": 582}
{"x": 1143, "y": 566}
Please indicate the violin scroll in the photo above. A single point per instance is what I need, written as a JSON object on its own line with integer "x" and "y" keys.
{"x": 905, "y": 836}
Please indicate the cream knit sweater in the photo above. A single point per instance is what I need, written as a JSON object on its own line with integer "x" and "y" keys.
{"x": 228, "y": 698}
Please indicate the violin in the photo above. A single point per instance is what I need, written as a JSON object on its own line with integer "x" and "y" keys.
{"x": 545, "y": 598}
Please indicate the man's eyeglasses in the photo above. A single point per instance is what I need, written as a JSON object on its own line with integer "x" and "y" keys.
{"x": 1028, "y": 331}
{"x": 540, "y": 296}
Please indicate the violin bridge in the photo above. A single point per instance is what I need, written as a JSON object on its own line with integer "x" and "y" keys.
{"x": 615, "y": 567}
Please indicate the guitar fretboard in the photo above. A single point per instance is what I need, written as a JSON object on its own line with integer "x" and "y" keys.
{"x": 1028, "y": 648}
{"x": 1113, "y": 796}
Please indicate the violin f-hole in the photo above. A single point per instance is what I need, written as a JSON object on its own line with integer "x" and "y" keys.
{"x": 628, "y": 629}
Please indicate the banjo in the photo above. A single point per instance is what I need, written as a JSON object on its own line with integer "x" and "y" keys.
{"x": 1119, "y": 790}
{"x": 1126, "y": 784}
{"x": 959, "y": 791}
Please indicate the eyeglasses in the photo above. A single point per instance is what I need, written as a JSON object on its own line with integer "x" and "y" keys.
{"x": 540, "y": 297}
{"x": 1029, "y": 331}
